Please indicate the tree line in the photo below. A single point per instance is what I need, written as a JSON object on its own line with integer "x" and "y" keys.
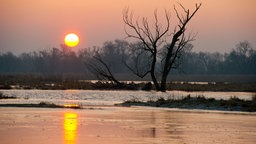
{"x": 116, "y": 55}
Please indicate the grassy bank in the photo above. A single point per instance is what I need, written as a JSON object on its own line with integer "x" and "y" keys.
{"x": 42, "y": 105}
{"x": 200, "y": 102}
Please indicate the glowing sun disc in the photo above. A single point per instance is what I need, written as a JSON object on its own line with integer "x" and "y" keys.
{"x": 71, "y": 39}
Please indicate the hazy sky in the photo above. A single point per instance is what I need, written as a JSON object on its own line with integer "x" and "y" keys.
{"x": 32, "y": 25}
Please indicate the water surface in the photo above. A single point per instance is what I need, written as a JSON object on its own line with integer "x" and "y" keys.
{"x": 115, "y": 125}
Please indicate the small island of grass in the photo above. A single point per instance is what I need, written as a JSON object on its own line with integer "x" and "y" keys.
{"x": 200, "y": 102}
{"x": 42, "y": 105}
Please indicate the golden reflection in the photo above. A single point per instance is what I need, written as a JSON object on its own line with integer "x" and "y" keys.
{"x": 71, "y": 91}
{"x": 71, "y": 105}
{"x": 70, "y": 128}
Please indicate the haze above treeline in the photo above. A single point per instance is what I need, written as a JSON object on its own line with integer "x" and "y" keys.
{"x": 241, "y": 60}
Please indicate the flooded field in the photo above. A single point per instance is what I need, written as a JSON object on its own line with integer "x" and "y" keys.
{"x": 98, "y": 97}
{"x": 118, "y": 125}
{"x": 102, "y": 123}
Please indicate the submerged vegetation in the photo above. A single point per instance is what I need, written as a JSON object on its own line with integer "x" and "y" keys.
{"x": 200, "y": 102}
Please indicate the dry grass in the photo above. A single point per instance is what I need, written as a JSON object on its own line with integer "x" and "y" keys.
{"x": 200, "y": 102}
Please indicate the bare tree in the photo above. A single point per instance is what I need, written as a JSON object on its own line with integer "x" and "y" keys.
{"x": 154, "y": 36}
{"x": 101, "y": 69}
{"x": 105, "y": 61}
{"x": 244, "y": 48}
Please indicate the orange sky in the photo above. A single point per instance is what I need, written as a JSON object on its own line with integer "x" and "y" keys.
{"x": 31, "y": 25}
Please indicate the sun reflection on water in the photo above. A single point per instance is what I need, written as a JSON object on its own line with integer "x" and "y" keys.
{"x": 70, "y": 128}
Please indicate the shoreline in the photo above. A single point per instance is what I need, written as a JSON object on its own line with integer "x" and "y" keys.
{"x": 102, "y": 107}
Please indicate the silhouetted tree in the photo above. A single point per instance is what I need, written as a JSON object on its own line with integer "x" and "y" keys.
{"x": 8, "y": 62}
{"x": 241, "y": 60}
{"x": 105, "y": 61}
{"x": 154, "y": 37}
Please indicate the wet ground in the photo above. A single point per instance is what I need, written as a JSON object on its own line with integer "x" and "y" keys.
{"x": 121, "y": 125}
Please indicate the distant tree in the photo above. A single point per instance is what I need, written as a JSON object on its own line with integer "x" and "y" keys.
{"x": 210, "y": 62}
{"x": 244, "y": 49}
{"x": 241, "y": 60}
{"x": 26, "y": 61}
{"x": 8, "y": 62}
{"x": 159, "y": 42}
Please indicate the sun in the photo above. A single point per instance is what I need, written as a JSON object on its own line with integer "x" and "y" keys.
{"x": 71, "y": 39}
